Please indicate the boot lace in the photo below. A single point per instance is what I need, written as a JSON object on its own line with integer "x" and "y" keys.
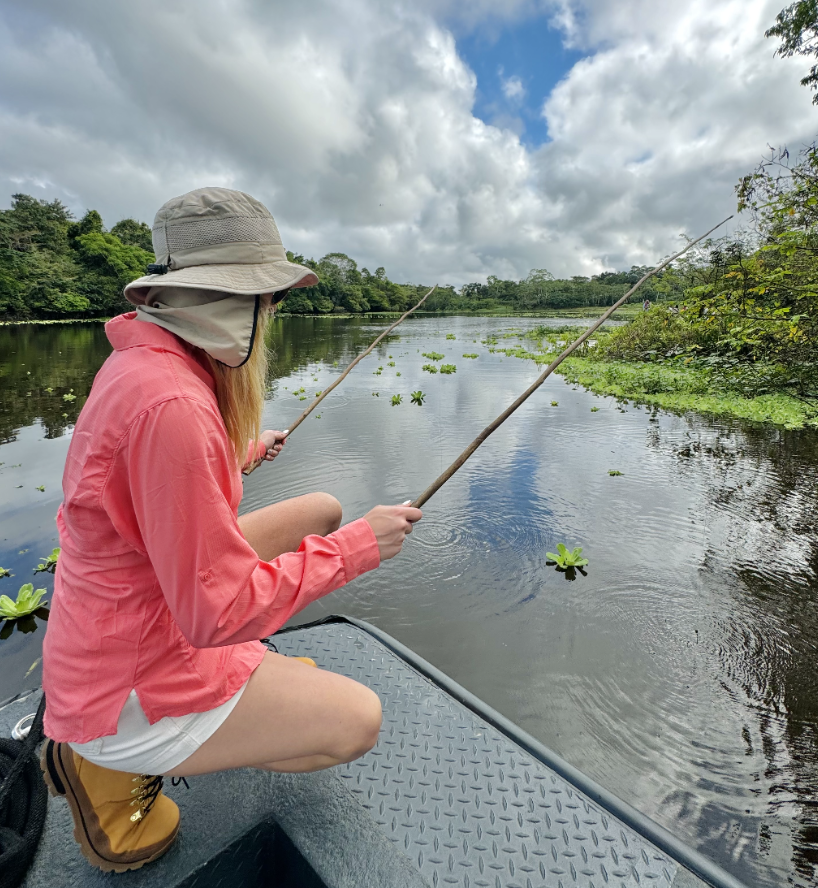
{"x": 146, "y": 791}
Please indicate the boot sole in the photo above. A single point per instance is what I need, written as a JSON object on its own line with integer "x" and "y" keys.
{"x": 59, "y": 785}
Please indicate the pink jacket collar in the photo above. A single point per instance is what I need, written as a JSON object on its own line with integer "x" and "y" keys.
{"x": 125, "y": 331}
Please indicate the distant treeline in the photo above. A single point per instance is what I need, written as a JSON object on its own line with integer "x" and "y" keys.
{"x": 53, "y": 266}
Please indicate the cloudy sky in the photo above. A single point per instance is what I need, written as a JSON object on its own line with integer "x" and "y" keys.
{"x": 443, "y": 144}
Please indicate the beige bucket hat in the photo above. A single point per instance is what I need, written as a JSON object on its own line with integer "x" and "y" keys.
{"x": 218, "y": 239}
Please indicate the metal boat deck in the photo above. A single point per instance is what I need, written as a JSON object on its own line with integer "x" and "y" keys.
{"x": 452, "y": 795}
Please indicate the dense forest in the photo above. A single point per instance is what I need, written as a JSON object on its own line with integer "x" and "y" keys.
{"x": 55, "y": 267}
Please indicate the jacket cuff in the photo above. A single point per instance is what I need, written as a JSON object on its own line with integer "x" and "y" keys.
{"x": 359, "y": 548}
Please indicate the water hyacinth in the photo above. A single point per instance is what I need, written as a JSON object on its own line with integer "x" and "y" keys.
{"x": 28, "y": 601}
{"x": 564, "y": 558}
{"x": 48, "y": 563}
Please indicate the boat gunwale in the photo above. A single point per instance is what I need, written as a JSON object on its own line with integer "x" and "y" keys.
{"x": 689, "y": 858}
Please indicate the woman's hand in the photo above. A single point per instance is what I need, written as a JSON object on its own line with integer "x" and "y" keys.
{"x": 390, "y": 525}
{"x": 273, "y": 443}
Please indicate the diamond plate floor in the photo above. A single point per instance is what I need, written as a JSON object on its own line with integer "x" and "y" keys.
{"x": 464, "y": 802}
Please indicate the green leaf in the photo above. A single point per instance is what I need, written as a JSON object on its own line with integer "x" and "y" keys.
{"x": 28, "y": 600}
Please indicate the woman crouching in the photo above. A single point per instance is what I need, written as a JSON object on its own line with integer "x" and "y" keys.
{"x": 152, "y": 664}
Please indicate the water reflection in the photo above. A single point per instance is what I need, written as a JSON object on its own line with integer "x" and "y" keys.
{"x": 681, "y": 671}
{"x": 25, "y": 625}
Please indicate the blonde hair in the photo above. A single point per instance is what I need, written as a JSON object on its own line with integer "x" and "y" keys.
{"x": 240, "y": 392}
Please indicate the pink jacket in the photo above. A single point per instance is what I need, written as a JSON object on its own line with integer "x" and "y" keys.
{"x": 156, "y": 588}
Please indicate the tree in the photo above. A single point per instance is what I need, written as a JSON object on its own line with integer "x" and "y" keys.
{"x": 797, "y": 26}
{"x": 134, "y": 234}
{"x": 38, "y": 223}
{"x": 782, "y": 192}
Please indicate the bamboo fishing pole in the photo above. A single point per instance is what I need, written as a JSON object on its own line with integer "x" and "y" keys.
{"x": 432, "y": 489}
{"x": 340, "y": 379}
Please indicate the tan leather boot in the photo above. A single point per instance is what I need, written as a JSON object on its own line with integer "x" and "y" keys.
{"x": 308, "y": 660}
{"x": 121, "y": 821}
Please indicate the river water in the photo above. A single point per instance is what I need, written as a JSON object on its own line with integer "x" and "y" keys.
{"x": 681, "y": 672}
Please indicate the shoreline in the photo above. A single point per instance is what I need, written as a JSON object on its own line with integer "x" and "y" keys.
{"x": 632, "y": 381}
{"x": 627, "y": 311}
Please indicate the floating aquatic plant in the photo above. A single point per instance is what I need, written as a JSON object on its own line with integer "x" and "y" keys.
{"x": 594, "y": 409}
{"x": 48, "y": 562}
{"x": 429, "y": 368}
{"x": 396, "y": 399}
{"x": 471, "y": 356}
{"x": 433, "y": 356}
{"x": 4, "y": 572}
{"x": 28, "y": 601}
{"x": 450, "y": 336}
{"x": 615, "y": 472}
{"x": 41, "y": 488}
{"x": 448, "y": 368}
{"x": 390, "y": 364}
{"x": 565, "y": 558}
{"x": 555, "y": 403}
{"x": 397, "y": 374}
{"x": 417, "y": 397}
{"x": 69, "y": 396}
{"x": 375, "y": 395}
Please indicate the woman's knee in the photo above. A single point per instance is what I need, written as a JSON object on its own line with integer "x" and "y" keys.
{"x": 365, "y": 727}
{"x": 329, "y": 510}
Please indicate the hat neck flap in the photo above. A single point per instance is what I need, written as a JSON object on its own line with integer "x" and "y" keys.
{"x": 222, "y": 324}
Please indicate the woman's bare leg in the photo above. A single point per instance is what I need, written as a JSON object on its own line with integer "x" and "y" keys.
{"x": 291, "y": 717}
{"x": 280, "y": 527}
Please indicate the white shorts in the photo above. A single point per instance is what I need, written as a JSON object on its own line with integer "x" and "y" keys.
{"x": 142, "y": 748}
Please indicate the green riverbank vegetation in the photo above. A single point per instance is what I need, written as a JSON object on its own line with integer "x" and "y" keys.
{"x": 678, "y": 384}
{"x": 743, "y": 337}
{"x": 53, "y": 267}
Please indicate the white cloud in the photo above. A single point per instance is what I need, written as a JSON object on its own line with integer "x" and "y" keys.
{"x": 513, "y": 88}
{"x": 353, "y": 121}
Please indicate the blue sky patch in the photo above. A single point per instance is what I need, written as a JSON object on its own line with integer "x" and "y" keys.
{"x": 516, "y": 68}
